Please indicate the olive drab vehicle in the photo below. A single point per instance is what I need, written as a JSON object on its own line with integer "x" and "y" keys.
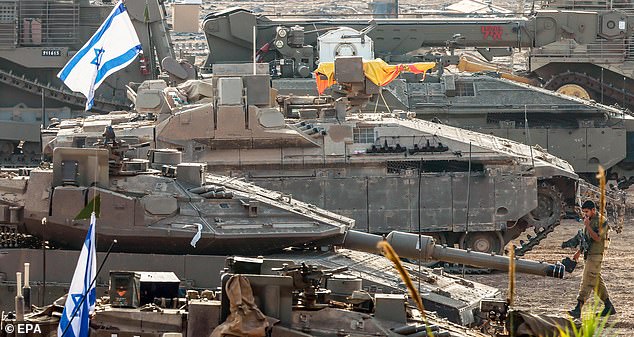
{"x": 586, "y": 43}
{"x": 386, "y": 171}
{"x": 38, "y": 37}
{"x": 580, "y": 48}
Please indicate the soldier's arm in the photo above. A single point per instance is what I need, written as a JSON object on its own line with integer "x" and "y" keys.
{"x": 591, "y": 231}
{"x": 577, "y": 254}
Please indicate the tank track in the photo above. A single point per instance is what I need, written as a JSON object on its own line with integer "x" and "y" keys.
{"x": 58, "y": 94}
{"x": 541, "y": 228}
{"x": 533, "y": 241}
{"x": 593, "y": 84}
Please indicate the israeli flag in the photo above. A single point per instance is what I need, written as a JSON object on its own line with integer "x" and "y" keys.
{"x": 80, "y": 286}
{"x": 113, "y": 47}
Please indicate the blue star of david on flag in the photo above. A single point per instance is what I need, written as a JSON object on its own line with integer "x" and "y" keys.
{"x": 98, "y": 56}
{"x": 113, "y": 46}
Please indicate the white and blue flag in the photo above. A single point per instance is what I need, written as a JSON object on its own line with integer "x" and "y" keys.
{"x": 85, "y": 272}
{"x": 113, "y": 47}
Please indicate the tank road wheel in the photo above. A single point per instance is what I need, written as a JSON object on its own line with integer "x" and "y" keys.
{"x": 574, "y": 90}
{"x": 550, "y": 207}
{"x": 484, "y": 242}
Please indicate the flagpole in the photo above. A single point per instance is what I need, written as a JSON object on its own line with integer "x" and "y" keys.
{"x": 83, "y": 299}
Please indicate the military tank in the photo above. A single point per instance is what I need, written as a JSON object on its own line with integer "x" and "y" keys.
{"x": 571, "y": 46}
{"x": 279, "y": 298}
{"x": 524, "y": 112}
{"x": 175, "y": 211}
{"x": 486, "y": 190}
{"x": 178, "y": 211}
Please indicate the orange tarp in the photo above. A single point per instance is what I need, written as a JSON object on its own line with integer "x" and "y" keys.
{"x": 377, "y": 71}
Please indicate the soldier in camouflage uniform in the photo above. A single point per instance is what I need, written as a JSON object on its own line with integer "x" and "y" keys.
{"x": 593, "y": 249}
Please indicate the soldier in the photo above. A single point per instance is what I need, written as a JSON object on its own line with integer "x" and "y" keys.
{"x": 596, "y": 239}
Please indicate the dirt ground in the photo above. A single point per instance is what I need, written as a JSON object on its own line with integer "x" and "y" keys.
{"x": 553, "y": 296}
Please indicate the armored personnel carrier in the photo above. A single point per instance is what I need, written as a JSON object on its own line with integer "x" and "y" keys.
{"x": 498, "y": 106}
{"x": 510, "y": 110}
{"x": 387, "y": 171}
{"x": 38, "y": 37}
{"x": 580, "y": 45}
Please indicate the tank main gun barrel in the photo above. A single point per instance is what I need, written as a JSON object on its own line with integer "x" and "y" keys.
{"x": 408, "y": 245}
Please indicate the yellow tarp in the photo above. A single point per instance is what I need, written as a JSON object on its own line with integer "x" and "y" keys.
{"x": 377, "y": 71}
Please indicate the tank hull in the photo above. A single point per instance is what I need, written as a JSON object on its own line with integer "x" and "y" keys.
{"x": 162, "y": 242}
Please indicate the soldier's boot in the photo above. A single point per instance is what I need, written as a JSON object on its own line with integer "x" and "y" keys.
{"x": 608, "y": 308}
{"x": 576, "y": 312}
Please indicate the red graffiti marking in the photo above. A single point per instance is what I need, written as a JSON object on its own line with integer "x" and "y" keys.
{"x": 495, "y": 32}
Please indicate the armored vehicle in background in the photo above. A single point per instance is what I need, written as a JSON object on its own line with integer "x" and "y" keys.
{"x": 583, "y": 133}
{"x": 585, "y": 45}
{"x": 578, "y": 48}
{"x": 386, "y": 171}
{"x": 38, "y": 37}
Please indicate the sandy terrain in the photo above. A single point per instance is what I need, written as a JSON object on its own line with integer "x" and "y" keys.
{"x": 547, "y": 295}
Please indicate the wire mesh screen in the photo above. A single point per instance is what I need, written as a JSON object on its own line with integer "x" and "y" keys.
{"x": 46, "y": 22}
{"x": 7, "y": 23}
